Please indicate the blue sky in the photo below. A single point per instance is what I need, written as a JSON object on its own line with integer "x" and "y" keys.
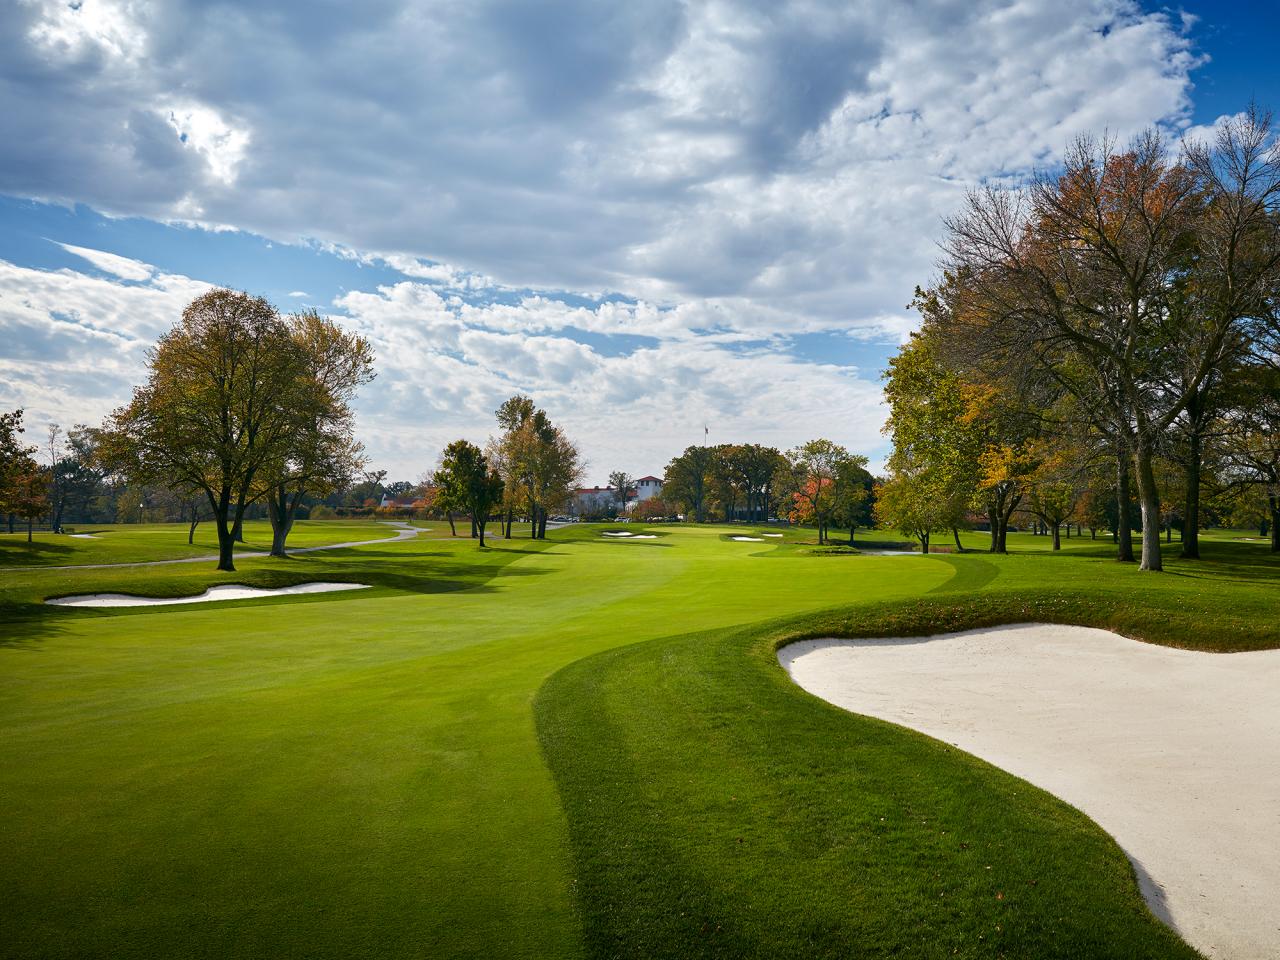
{"x": 650, "y": 216}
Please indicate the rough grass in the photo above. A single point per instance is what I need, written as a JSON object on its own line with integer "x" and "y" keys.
{"x": 360, "y": 774}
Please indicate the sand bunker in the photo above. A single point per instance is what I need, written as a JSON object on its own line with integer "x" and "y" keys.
{"x": 1175, "y": 753}
{"x": 748, "y": 539}
{"x": 627, "y": 535}
{"x": 772, "y": 534}
{"x": 229, "y": 591}
{"x": 83, "y": 536}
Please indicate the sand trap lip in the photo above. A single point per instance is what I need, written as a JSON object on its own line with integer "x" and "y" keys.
{"x": 226, "y": 591}
{"x": 748, "y": 539}
{"x": 1175, "y": 753}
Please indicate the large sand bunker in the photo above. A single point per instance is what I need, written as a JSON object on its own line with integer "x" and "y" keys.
{"x": 229, "y": 591}
{"x": 1175, "y": 753}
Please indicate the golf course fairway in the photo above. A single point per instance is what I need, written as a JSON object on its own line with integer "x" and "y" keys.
{"x": 569, "y": 748}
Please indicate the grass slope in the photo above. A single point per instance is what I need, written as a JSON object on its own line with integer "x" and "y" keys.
{"x": 360, "y": 775}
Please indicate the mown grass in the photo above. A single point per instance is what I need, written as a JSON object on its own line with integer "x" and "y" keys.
{"x": 146, "y": 542}
{"x": 360, "y": 774}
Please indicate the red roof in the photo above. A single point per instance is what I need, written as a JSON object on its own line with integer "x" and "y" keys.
{"x": 659, "y": 479}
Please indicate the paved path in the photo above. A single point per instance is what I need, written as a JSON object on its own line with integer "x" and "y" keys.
{"x": 1175, "y": 753}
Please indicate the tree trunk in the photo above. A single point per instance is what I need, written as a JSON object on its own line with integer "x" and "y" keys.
{"x": 191, "y": 530}
{"x": 1149, "y": 497}
{"x": 1124, "y": 516}
{"x": 851, "y": 529}
{"x": 479, "y": 528}
{"x": 1093, "y": 533}
{"x": 30, "y": 524}
{"x": 993, "y": 521}
{"x": 473, "y": 526}
{"x": 1057, "y": 536}
{"x": 237, "y": 532}
{"x": 1273, "y": 502}
{"x": 453, "y": 531}
{"x": 226, "y": 543}
{"x": 280, "y": 512}
{"x": 11, "y": 523}
{"x": 956, "y": 534}
{"x": 924, "y": 543}
{"x": 1191, "y": 515}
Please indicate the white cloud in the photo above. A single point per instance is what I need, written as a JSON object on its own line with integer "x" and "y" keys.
{"x": 76, "y": 344}
{"x": 736, "y": 173}
{"x": 111, "y": 263}
{"x": 791, "y": 157}
{"x": 201, "y": 129}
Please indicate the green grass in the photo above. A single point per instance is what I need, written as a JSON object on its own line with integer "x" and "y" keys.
{"x": 369, "y": 774}
{"x": 144, "y": 542}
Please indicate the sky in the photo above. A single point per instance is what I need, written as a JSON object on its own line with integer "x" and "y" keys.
{"x": 653, "y": 217}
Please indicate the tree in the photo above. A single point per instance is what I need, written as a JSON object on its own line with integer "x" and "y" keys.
{"x": 685, "y": 481}
{"x": 622, "y": 484}
{"x": 1128, "y": 282}
{"x": 321, "y": 454}
{"x": 1054, "y": 487}
{"x": 816, "y": 465}
{"x": 852, "y": 504}
{"x": 14, "y": 455}
{"x": 752, "y": 468}
{"x": 910, "y": 501}
{"x": 29, "y": 498}
{"x": 218, "y": 410}
{"x": 465, "y": 478}
{"x": 724, "y": 482}
{"x": 1252, "y": 455}
{"x": 24, "y": 484}
{"x": 75, "y": 475}
{"x": 539, "y": 463}
{"x": 943, "y": 424}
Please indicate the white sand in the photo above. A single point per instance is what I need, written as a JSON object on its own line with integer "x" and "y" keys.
{"x": 617, "y": 533}
{"x": 627, "y": 535}
{"x": 748, "y": 539}
{"x": 83, "y": 536}
{"x": 1173, "y": 752}
{"x": 773, "y": 534}
{"x": 230, "y": 591}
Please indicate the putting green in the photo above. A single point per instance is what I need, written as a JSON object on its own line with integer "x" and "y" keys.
{"x": 360, "y": 774}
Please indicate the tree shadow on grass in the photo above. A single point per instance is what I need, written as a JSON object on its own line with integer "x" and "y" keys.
{"x": 28, "y": 629}
{"x": 36, "y": 553}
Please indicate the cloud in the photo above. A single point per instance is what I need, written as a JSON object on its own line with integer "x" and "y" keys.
{"x": 792, "y": 157}
{"x": 75, "y": 344}
{"x": 631, "y": 211}
{"x": 111, "y": 263}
